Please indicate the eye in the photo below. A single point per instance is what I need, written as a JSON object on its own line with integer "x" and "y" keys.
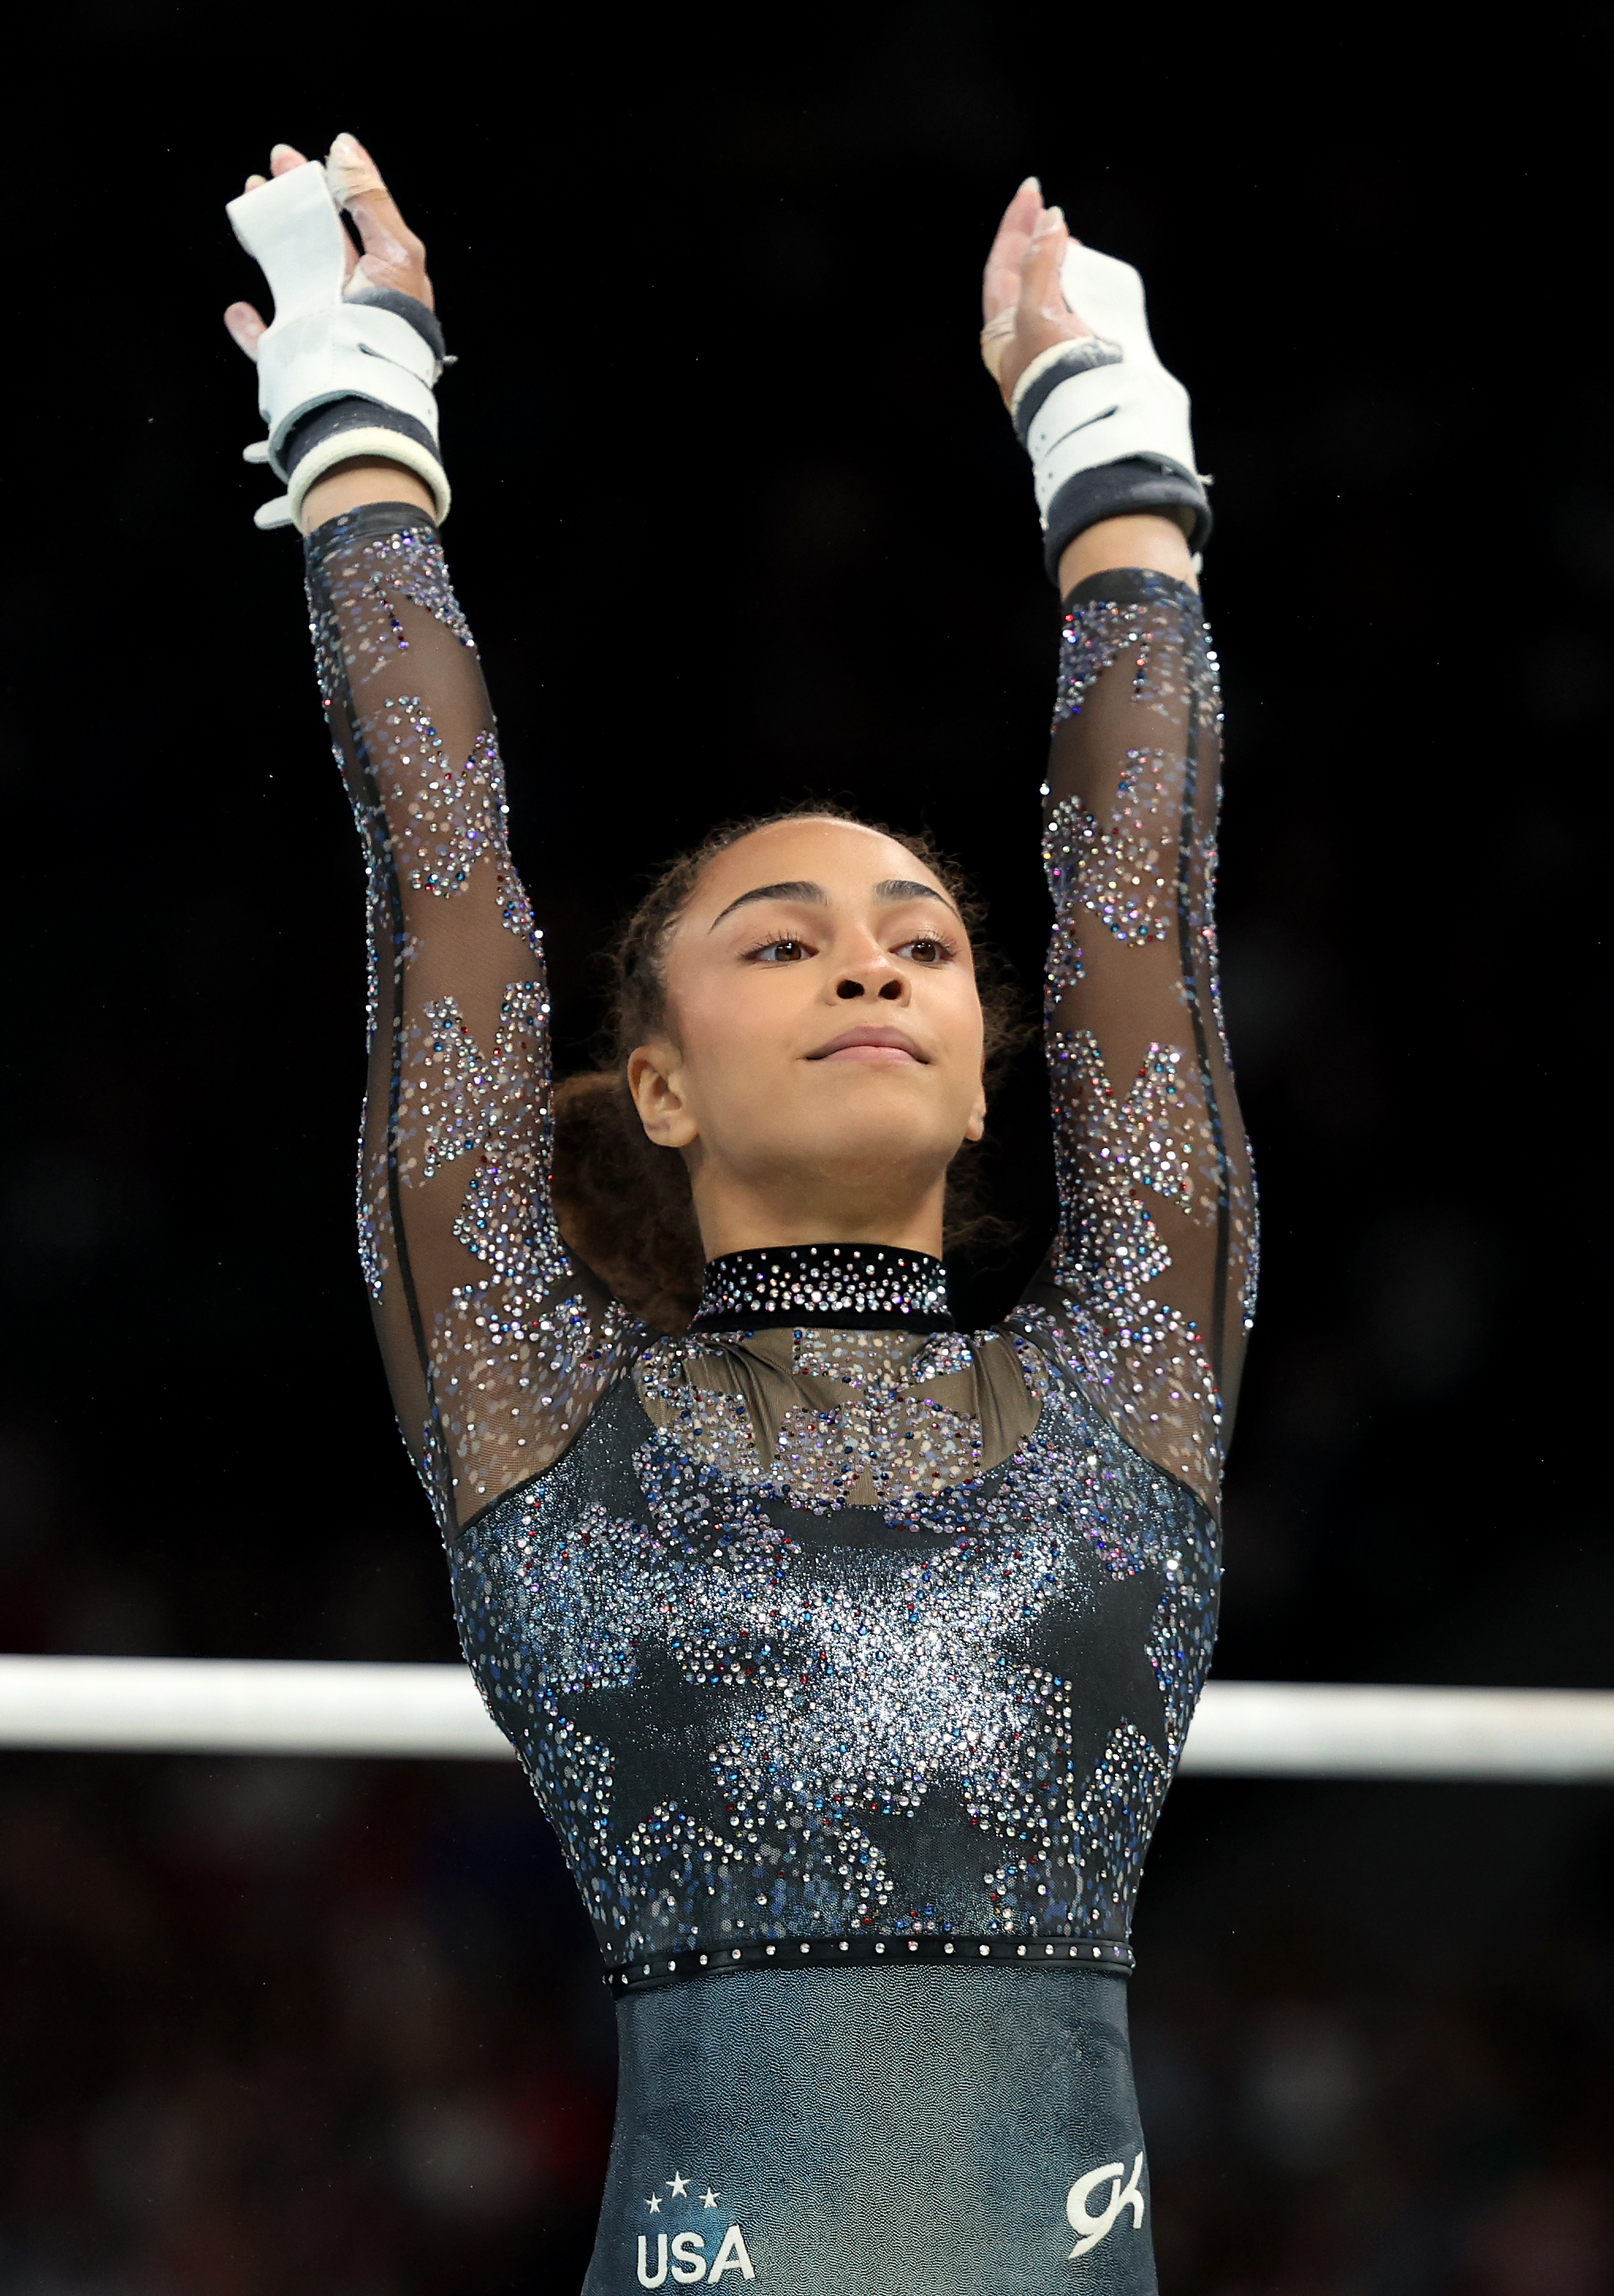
{"x": 926, "y": 950}
{"x": 780, "y": 952}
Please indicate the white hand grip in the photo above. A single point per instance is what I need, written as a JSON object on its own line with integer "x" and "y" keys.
{"x": 349, "y": 350}
{"x": 293, "y": 229}
{"x": 1126, "y": 408}
{"x": 1108, "y": 294}
{"x": 321, "y": 350}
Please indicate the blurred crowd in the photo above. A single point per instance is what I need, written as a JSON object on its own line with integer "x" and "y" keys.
{"x": 321, "y": 2028}
{"x": 1317, "y": 2130}
{"x": 288, "y": 2027}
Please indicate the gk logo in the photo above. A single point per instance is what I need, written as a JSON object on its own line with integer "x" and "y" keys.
{"x": 689, "y": 2258}
{"x": 1093, "y": 2228}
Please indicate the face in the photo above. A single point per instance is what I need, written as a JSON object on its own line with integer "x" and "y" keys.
{"x": 823, "y": 1062}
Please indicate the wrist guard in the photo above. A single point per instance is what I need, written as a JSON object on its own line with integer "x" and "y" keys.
{"x": 1106, "y": 426}
{"x": 339, "y": 373}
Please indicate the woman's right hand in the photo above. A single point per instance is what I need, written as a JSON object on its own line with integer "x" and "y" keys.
{"x": 1022, "y": 302}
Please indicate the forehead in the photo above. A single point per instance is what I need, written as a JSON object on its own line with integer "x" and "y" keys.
{"x": 845, "y": 857}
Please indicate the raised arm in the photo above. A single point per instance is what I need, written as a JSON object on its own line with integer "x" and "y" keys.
{"x": 497, "y": 1341}
{"x": 1148, "y": 1290}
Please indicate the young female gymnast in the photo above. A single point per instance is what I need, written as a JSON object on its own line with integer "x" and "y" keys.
{"x": 850, "y": 1653}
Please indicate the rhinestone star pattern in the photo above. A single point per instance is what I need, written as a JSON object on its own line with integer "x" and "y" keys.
{"x": 456, "y": 1143}
{"x": 872, "y": 1416}
{"x": 951, "y": 1715}
{"x": 1156, "y": 1194}
{"x": 1117, "y": 873}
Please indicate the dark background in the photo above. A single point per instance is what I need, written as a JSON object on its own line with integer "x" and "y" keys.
{"x": 738, "y": 519}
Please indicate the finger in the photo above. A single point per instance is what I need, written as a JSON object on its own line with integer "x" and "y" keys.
{"x": 1041, "y": 295}
{"x": 1025, "y": 211}
{"x": 283, "y": 158}
{"x": 353, "y": 172}
{"x": 254, "y": 182}
{"x": 1000, "y": 280}
{"x": 1000, "y": 285}
{"x": 393, "y": 256}
{"x": 247, "y": 329}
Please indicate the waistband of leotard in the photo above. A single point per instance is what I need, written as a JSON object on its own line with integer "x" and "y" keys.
{"x": 651, "y": 1970}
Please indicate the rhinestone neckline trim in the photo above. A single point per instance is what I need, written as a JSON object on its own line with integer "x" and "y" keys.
{"x": 861, "y": 1287}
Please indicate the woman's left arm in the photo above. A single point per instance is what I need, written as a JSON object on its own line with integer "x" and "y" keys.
{"x": 1148, "y": 1290}
{"x": 1151, "y": 1277}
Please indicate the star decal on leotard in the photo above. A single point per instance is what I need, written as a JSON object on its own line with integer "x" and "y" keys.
{"x": 677, "y": 2185}
{"x": 1116, "y": 1677}
{"x": 666, "y": 1724}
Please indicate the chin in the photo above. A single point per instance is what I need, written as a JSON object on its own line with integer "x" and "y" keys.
{"x": 871, "y": 1137}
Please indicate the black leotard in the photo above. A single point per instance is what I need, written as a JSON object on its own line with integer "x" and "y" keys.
{"x": 850, "y": 1654}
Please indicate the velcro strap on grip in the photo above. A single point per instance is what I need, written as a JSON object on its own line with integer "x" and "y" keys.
{"x": 349, "y": 350}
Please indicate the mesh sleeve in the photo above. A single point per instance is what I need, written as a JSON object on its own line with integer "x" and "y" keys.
{"x": 497, "y": 1341}
{"x": 1148, "y": 1290}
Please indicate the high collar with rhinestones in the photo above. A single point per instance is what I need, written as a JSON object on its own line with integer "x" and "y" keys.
{"x": 848, "y": 1287}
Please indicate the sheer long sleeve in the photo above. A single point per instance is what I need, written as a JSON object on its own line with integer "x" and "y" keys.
{"x": 497, "y": 1341}
{"x": 1147, "y": 1290}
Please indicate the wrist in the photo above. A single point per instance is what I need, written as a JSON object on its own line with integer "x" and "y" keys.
{"x": 1142, "y": 539}
{"x": 1107, "y": 432}
{"x": 368, "y": 479}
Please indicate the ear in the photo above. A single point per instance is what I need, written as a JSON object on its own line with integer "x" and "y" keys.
{"x": 653, "y": 1077}
{"x": 976, "y": 1125}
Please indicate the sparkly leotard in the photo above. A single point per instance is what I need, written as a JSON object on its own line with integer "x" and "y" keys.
{"x": 849, "y": 1654}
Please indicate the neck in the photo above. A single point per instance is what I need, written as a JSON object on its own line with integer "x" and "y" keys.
{"x": 737, "y": 1215}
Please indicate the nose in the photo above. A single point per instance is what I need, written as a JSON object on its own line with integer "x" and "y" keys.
{"x": 892, "y": 989}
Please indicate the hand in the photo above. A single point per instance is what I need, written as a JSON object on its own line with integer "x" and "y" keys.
{"x": 393, "y": 256}
{"x": 1022, "y": 302}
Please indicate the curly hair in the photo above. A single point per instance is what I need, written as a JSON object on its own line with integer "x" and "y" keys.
{"x": 624, "y": 1204}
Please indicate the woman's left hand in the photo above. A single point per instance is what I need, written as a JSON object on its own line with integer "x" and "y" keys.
{"x": 1022, "y": 302}
{"x": 392, "y": 257}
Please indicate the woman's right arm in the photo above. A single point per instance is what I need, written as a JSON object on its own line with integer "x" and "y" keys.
{"x": 497, "y": 1341}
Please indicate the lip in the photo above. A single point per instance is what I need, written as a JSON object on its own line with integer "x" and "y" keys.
{"x": 869, "y": 1045}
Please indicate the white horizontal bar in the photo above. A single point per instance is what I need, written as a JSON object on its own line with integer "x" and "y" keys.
{"x": 1361, "y": 1730}
{"x": 1243, "y": 1729}
{"x": 243, "y": 1706}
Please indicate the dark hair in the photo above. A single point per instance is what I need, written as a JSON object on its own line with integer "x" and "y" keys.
{"x": 624, "y": 1204}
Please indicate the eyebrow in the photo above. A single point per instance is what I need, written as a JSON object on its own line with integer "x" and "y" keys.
{"x": 800, "y": 888}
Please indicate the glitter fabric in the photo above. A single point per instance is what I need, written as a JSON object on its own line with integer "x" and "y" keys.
{"x": 497, "y": 1344}
{"x": 822, "y": 1626}
{"x": 1138, "y": 625}
{"x": 370, "y": 1179}
{"x": 828, "y": 1418}
{"x": 1117, "y": 873}
{"x": 1150, "y": 1285}
{"x": 751, "y": 1715}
